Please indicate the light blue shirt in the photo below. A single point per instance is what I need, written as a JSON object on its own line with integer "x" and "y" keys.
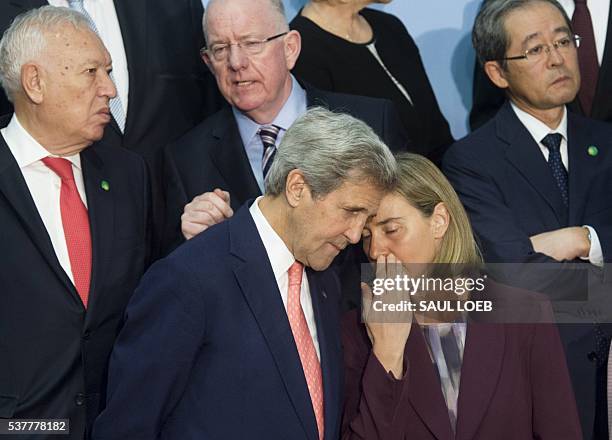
{"x": 294, "y": 107}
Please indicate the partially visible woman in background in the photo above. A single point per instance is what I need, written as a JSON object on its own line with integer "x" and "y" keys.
{"x": 349, "y": 49}
{"x": 446, "y": 377}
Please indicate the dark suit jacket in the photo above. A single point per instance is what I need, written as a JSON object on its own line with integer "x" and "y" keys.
{"x": 170, "y": 89}
{"x": 509, "y": 193}
{"x": 54, "y": 353}
{"x": 207, "y": 350}
{"x": 487, "y": 98}
{"x": 212, "y": 155}
{"x": 514, "y": 385}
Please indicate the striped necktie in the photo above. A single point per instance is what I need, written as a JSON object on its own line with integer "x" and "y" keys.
{"x": 115, "y": 104}
{"x": 268, "y": 134}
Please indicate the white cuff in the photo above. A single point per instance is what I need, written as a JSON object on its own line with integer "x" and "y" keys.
{"x": 595, "y": 254}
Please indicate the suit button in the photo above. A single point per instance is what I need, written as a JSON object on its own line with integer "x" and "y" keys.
{"x": 79, "y": 399}
{"x": 592, "y": 356}
{"x": 86, "y": 335}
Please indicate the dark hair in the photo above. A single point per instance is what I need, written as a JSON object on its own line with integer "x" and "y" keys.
{"x": 489, "y": 35}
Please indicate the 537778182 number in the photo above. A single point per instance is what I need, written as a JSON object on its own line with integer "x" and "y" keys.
{"x": 34, "y": 426}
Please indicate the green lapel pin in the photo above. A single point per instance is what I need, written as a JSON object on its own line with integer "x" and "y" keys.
{"x": 105, "y": 185}
{"x": 593, "y": 151}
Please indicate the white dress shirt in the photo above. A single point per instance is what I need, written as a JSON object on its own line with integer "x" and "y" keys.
{"x": 599, "y": 10}
{"x": 44, "y": 184}
{"x": 538, "y": 131}
{"x": 104, "y": 15}
{"x": 281, "y": 260}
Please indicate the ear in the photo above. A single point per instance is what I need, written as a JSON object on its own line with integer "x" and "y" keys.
{"x": 206, "y": 58}
{"x": 296, "y": 188}
{"x": 293, "y": 46}
{"x": 32, "y": 82}
{"x": 496, "y": 74}
{"x": 440, "y": 219}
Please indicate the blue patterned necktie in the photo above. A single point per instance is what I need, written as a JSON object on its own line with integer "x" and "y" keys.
{"x": 552, "y": 141}
{"x": 268, "y": 134}
{"x": 115, "y": 103}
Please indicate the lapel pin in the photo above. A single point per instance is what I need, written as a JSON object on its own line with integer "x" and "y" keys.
{"x": 105, "y": 185}
{"x": 593, "y": 151}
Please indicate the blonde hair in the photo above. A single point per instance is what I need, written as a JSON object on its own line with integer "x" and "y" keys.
{"x": 424, "y": 186}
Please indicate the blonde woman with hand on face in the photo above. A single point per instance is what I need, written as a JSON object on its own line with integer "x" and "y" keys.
{"x": 441, "y": 377}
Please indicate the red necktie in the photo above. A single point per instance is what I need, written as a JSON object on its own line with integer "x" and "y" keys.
{"x": 305, "y": 346}
{"x": 76, "y": 225}
{"x": 587, "y": 55}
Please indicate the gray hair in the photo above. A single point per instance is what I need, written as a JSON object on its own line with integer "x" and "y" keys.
{"x": 277, "y": 7}
{"x": 489, "y": 35}
{"x": 329, "y": 149}
{"x": 25, "y": 40}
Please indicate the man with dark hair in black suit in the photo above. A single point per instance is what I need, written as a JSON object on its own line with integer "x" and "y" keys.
{"x": 535, "y": 180}
{"x": 596, "y": 51}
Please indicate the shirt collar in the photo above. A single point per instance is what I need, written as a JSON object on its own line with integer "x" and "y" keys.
{"x": 25, "y": 149}
{"x": 279, "y": 255}
{"x": 291, "y": 110}
{"x": 538, "y": 129}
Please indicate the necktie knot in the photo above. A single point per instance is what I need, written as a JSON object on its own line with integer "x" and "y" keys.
{"x": 72, "y": 3}
{"x": 268, "y": 133}
{"x": 61, "y": 167}
{"x": 552, "y": 141}
{"x": 295, "y": 274}
{"x": 580, "y": 2}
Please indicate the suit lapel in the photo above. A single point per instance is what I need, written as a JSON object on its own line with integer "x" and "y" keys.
{"x": 579, "y": 162}
{"x": 100, "y": 208}
{"x": 14, "y": 188}
{"x": 327, "y": 335}
{"x": 260, "y": 290}
{"x": 525, "y": 155}
{"x": 231, "y": 160}
{"x": 424, "y": 381}
{"x": 132, "y": 17}
{"x": 484, "y": 352}
{"x": 314, "y": 96}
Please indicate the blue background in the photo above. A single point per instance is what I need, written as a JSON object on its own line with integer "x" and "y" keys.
{"x": 441, "y": 29}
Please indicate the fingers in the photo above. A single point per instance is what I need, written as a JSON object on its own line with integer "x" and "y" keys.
{"x": 366, "y": 301}
{"x": 204, "y": 211}
{"x": 224, "y": 195}
{"x": 215, "y": 203}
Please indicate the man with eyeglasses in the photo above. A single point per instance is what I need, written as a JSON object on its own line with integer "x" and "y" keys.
{"x": 536, "y": 179}
{"x": 592, "y": 20}
{"x": 222, "y": 162}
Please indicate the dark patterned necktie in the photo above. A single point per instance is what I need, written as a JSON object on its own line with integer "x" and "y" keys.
{"x": 268, "y": 134}
{"x": 587, "y": 55}
{"x": 552, "y": 141}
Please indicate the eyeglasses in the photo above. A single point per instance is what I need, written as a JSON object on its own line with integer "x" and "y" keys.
{"x": 220, "y": 52}
{"x": 563, "y": 45}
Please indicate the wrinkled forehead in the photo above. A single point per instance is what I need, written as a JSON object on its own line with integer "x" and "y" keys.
{"x": 238, "y": 19}
{"x": 75, "y": 44}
